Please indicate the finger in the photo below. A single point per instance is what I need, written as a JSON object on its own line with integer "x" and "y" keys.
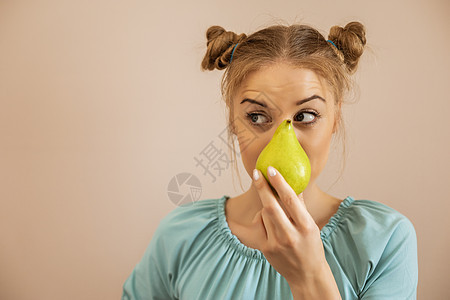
{"x": 269, "y": 204}
{"x": 293, "y": 203}
{"x": 286, "y": 211}
{"x": 279, "y": 202}
{"x": 274, "y": 231}
{"x": 274, "y": 217}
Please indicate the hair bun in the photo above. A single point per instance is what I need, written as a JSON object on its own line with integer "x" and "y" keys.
{"x": 220, "y": 44}
{"x": 350, "y": 40}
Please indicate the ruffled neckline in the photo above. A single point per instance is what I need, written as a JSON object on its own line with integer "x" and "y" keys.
{"x": 234, "y": 241}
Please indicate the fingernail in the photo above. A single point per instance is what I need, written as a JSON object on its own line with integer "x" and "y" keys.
{"x": 255, "y": 175}
{"x": 271, "y": 171}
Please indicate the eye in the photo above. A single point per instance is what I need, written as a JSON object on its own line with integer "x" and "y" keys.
{"x": 257, "y": 119}
{"x": 306, "y": 117}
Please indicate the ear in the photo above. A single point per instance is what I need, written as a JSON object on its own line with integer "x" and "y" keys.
{"x": 337, "y": 119}
{"x": 232, "y": 128}
{"x": 231, "y": 119}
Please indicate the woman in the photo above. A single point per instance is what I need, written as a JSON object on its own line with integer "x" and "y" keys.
{"x": 275, "y": 244}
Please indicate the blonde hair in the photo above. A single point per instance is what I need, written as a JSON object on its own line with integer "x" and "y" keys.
{"x": 298, "y": 45}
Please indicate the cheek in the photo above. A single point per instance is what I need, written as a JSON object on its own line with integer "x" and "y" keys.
{"x": 317, "y": 148}
{"x": 251, "y": 144}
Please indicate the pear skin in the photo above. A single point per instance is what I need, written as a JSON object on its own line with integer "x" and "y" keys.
{"x": 285, "y": 154}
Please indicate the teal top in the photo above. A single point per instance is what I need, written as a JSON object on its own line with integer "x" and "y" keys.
{"x": 370, "y": 247}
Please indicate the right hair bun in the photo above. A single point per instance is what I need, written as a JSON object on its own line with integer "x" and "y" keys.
{"x": 350, "y": 40}
{"x": 220, "y": 44}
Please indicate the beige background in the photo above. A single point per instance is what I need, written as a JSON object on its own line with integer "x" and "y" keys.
{"x": 103, "y": 102}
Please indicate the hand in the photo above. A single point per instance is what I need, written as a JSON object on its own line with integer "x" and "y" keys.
{"x": 292, "y": 245}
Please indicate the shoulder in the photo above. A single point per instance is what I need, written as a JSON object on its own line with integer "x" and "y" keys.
{"x": 390, "y": 247}
{"x": 364, "y": 220}
{"x": 378, "y": 219}
{"x": 382, "y": 244}
{"x": 155, "y": 275}
{"x": 187, "y": 222}
{"x": 193, "y": 212}
{"x": 371, "y": 229}
{"x": 376, "y": 214}
{"x": 375, "y": 233}
{"x": 357, "y": 219}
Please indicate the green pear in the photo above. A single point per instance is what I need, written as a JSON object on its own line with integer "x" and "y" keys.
{"x": 285, "y": 154}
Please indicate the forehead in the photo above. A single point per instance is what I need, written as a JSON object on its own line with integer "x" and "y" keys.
{"x": 283, "y": 79}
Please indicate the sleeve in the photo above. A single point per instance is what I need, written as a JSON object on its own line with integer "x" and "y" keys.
{"x": 151, "y": 278}
{"x": 395, "y": 276}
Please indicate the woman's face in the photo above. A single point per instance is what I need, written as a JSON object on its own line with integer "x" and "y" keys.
{"x": 278, "y": 92}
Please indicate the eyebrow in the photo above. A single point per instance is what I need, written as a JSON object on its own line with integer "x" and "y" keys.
{"x": 297, "y": 103}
